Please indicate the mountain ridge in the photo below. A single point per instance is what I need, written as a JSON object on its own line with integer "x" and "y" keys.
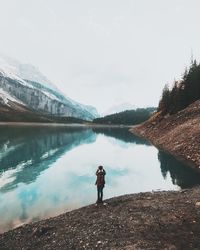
{"x": 39, "y": 96}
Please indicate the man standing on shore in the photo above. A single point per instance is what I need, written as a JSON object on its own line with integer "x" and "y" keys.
{"x": 100, "y": 182}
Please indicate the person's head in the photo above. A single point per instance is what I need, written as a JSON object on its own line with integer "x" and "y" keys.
{"x": 100, "y": 167}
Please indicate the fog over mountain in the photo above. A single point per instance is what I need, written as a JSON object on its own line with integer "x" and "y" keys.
{"x": 119, "y": 108}
{"x": 24, "y": 71}
{"x": 23, "y": 87}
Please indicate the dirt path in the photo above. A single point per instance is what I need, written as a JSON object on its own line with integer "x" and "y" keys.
{"x": 160, "y": 220}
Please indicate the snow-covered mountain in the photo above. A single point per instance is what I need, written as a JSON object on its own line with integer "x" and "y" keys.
{"x": 6, "y": 99}
{"x": 24, "y": 71}
{"x": 12, "y": 109}
{"x": 25, "y": 84}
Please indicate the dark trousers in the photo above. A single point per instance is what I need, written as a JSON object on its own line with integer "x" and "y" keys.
{"x": 100, "y": 193}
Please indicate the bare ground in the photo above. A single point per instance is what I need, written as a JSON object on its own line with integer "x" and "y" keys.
{"x": 161, "y": 220}
{"x": 177, "y": 134}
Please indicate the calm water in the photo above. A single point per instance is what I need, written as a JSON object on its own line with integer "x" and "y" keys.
{"x": 45, "y": 171}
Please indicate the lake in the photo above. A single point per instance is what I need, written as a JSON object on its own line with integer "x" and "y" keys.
{"x": 47, "y": 170}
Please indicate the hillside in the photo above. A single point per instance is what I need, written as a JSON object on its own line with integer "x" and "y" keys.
{"x": 28, "y": 86}
{"x": 178, "y": 134}
{"x": 175, "y": 126}
{"x": 128, "y": 117}
{"x": 17, "y": 113}
{"x": 12, "y": 110}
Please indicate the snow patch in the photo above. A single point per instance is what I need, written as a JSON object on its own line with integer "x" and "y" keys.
{"x": 49, "y": 95}
{"x": 7, "y": 97}
{"x": 24, "y": 71}
{"x": 28, "y": 76}
{"x": 9, "y": 74}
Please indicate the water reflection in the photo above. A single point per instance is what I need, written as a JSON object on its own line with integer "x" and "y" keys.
{"x": 45, "y": 171}
{"x": 25, "y": 152}
{"x": 181, "y": 175}
{"x": 122, "y": 134}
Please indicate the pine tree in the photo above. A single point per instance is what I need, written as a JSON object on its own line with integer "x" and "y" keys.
{"x": 165, "y": 100}
{"x": 183, "y": 93}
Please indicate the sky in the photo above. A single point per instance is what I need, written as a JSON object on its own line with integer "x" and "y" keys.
{"x": 104, "y": 52}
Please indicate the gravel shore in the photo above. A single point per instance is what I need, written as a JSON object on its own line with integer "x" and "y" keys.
{"x": 178, "y": 134}
{"x": 153, "y": 220}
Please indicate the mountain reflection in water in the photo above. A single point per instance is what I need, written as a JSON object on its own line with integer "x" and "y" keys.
{"x": 48, "y": 170}
{"x": 29, "y": 151}
{"x": 122, "y": 134}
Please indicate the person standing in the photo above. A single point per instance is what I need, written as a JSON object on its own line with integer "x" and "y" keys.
{"x": 100, "y": 182}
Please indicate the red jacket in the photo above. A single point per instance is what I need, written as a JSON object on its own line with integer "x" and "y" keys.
{"x": 100, "y": 182}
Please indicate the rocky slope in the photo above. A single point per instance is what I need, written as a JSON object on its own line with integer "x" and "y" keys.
{"x": 27, "y": 85}
{"x": 160, "y": 220}
{"x": 178, "y": 134}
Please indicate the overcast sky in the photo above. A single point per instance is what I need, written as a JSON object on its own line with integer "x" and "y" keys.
{"x": 103, "y": 52}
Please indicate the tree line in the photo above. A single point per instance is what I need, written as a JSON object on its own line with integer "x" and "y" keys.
{"x": 128, "y": 117}
{"x": 183, "y": 92}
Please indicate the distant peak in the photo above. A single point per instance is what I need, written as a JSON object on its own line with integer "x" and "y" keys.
{"x": 119, "y": 108}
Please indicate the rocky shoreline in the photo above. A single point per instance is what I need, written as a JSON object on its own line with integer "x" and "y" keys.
{"x": 178, "y": 134}
{"x": 152, "y": 220}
